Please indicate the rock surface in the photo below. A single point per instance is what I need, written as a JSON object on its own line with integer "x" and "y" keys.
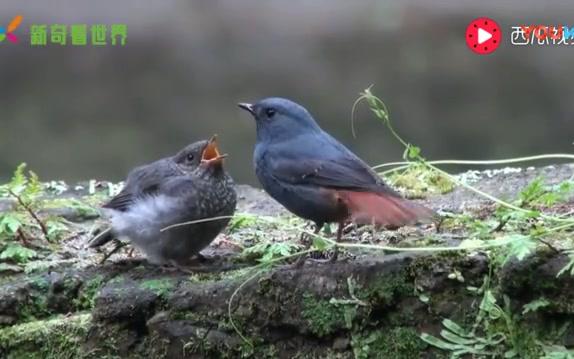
{"x": 367, "y": 305}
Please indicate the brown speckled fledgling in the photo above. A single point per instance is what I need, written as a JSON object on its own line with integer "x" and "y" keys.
{"x": 190, "y": 186}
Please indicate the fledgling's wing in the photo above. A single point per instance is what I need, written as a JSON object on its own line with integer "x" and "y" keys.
{"x": 121, "y": 202}
{"x": 142, "y": 181}
{"x": 101, "y": 238}
{"x": 179, "y": 186}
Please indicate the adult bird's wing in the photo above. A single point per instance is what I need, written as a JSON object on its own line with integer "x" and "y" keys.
{"x": 341, "y": 173}
{"x": 368, "y": 199}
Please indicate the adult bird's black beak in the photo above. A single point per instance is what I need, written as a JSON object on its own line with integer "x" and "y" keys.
{"x": 247, "y": 107}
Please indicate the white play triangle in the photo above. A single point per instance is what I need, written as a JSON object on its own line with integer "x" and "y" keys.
{"x": 483, "y": 35}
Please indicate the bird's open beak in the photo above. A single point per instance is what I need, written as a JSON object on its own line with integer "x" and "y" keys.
{"x": 247, "y": 107}
{"x": 211, "y": 155}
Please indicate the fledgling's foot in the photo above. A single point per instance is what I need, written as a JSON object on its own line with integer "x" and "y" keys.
{"x": 174, "y": 268}
{"x": 192, "y": 269}
{"x": 194, "y": 265}
{"x": 200, "y": 258}
{"x": 169, "y": 268}
{"x": 119, "y": 245}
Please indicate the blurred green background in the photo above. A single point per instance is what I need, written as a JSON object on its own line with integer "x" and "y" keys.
{"x": 75, "y": 113}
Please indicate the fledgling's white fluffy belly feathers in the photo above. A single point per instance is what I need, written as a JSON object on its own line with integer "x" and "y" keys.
{"x": 143, "y": 222}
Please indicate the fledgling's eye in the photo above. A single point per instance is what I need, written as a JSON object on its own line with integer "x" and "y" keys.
{"x": 190, "y": 157}
{"x": 270, "y": 112}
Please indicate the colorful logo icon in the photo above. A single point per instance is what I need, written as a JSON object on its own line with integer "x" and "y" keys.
{"x": 7, "y": 33}
{"x": 483, "y": 35}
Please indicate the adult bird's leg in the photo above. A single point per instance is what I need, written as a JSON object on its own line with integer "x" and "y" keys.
{"x": 339, "y": 237}
{"x": 308, "y": 243}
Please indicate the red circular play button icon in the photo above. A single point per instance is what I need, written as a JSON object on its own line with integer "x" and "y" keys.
{"x": 483, "y": 35}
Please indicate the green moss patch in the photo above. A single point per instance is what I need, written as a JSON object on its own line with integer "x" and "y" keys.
{"x": 325, "y": 318}
{"x": 57, "y": 338}
{"x": 397, "y": 343}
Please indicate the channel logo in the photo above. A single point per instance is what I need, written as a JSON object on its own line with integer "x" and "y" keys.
{"x": 483, "y": 36}
{"x": 542, "y": 35}
{"x": 8, "y": 32}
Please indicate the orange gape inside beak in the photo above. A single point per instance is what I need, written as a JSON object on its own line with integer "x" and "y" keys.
{"x": 211, "y": 153}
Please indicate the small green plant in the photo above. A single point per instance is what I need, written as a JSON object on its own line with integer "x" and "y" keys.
{"x": 87, "y": 294}
{"x": 397, "y": 343}
{"x": 56, "y": 228}
{"x": 520, "y": 247}
{"x": 24, "y": 223}
{"x": 535, "y": 305}
{"x": 25, "y": 189}
{"x": 17, "y": 253}
{"x": 20, "y": 225}
{"x": 569, "y": 267}
{"x": 557, "y": 352}
{"x": 417, "y": 178}
{"x": 265, "y": 252}
{"x": 530, "y": 199}
{"x": 26, "y": 186}
{"x": 495, "y": 333}
{"x": 460, "y": 342}
{"x": 241, "y": 220}
{"x": 539, "y": 194}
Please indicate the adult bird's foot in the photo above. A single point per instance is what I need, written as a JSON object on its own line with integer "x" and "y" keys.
{"x": 332, "y": 258}
{"x": 300, "y": 261}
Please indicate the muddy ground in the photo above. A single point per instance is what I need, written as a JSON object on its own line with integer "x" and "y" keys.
{"x": 368, "y": 304}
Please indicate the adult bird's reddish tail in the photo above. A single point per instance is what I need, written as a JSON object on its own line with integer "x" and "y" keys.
{"x": 384, "y": 209}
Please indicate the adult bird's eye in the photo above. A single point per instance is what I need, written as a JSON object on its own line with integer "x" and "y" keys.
{"x": 190, "y": 157}
{"x": 270, "y": 112}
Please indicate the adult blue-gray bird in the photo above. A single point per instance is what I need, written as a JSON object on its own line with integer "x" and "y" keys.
{"x": 316, "y": 177}
{"x": 190, "y": 186}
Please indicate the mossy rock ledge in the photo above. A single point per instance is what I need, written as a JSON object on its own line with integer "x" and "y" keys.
{"x": 365, "y": 305}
